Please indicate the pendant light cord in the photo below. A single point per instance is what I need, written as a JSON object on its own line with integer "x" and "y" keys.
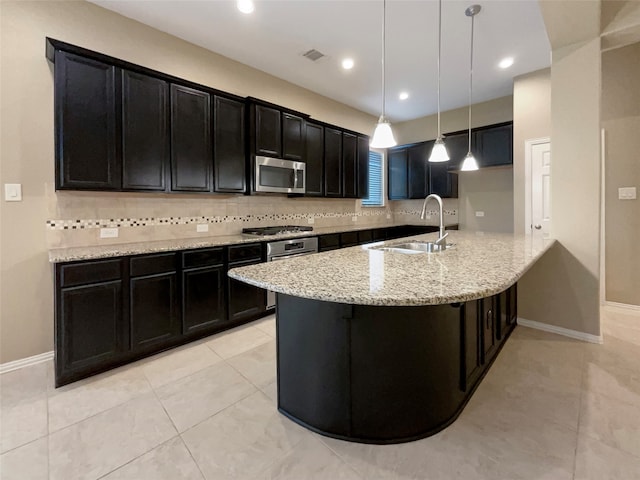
{"x": 384, "y": 53}
{"x": 471, "y": 80}
{"x": 439, "y": 52}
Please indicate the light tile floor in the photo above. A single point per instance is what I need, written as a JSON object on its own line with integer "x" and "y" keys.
{"x": 549, "y": 408}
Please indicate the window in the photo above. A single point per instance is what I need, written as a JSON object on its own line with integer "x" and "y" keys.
{"x": 376, "y": 181}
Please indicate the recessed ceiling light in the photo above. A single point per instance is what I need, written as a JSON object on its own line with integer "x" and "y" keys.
{"x": 347, "y": 63}
{"x": 506, "y": 62}
{"x": 403, "y": 95}
{"x": 246, "y": 6}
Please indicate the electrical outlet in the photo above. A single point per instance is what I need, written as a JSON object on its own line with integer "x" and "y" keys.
{"x": 108, "y": 233}
{"x": 627, "y": 193}
{"x": 13, "y": 192}
{"x": 427, "y": 217}
{"x": 202, "y": 227}
{"x": 311, "y": 220}
{"x": 388, "y": 216}
{"x": 354, "y": 219}
{"x": 479, "y": 214}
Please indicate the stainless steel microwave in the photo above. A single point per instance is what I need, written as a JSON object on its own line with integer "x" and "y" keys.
{"x": 279, "y": 176}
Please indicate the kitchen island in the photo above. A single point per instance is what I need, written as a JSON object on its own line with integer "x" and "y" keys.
{"x": 378, "y": 346}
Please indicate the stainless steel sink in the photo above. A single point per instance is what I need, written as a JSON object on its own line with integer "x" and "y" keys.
{"x": 414, "y": 247}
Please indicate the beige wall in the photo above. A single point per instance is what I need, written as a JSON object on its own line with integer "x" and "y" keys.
{"x": 488, "y": 190}
{"x": 621, "y": 121}
{"x": 27, "y": 145}
{"x": 531, "y": 119}
{"x": 563, "y": 288}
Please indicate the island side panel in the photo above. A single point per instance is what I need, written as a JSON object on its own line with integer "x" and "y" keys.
{"x": 405, "y": 371}
{"x": 313, "y": 363}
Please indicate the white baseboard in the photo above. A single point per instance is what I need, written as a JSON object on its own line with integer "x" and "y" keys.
{"x": 25, "y": 362}
{"x": 623, "y": 307}
{"x": 585, "y": 337}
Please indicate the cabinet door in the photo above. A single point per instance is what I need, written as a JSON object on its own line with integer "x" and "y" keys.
{"x": 488, "y": 313}
{"x": 349, "y": 165}
{"x": 398, "y": 174}
{"x": 348, "y": 239}
{"x": 363, "y": 166}
{"x": 472, "y": 360}
{"x": 245, "y": 301}
{"x": 268, "y": 131}
{"x": 87, "y": 127}
{"x": 91, "y": 333}
{"x": 495, "y": 145}
{"x": 417, "y": 175}
{"x": 203, "y": 306}
{"x": 441, "y": 181}
{"x": 314, "y": 158}
{"x": 145, "y": 136}
{"x": 154, "y": 314}
{"x": 229, "y": 155}
{"x": 365, "y": 236}
{"x": 328, "y": 242}
{"x": 292, "y": 137}
{"x": 332, "y": 162}
{"x": 191, "y": 152}
{"x": 457, "y": 146}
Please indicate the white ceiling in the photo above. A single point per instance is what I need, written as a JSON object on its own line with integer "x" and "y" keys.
{"x": 274, "y": 37}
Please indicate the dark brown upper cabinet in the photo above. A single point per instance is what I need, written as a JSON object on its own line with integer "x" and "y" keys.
{"x": 494, "y": 145}
{"x": 191, "y": 143}
{"x": 363, "y": 166}
{"x": 229, "y": 145}
{"x": 418, "y": 186}
{"x": 441, "y": 181}
{"x": 292, "y": 137}
{"x": 314, "y": 157}
{"x": 349, "y": 165}
{"x": 332, "y": 162}
{"x": 145, "y": 139}
{"x": 87, "y": 124}
{"x": 268, "y": 131}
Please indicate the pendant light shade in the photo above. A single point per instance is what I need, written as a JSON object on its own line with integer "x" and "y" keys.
{"x": 470, "y": 163}
{"x": 439, "y": 150}
{"x": 382, "y": 135}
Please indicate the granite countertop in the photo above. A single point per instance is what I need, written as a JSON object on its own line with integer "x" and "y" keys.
{"x": 479, "y": 265}
{"x": 59, "y": 255}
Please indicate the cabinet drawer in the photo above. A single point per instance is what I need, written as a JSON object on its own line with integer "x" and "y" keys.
{"x": 203, "y": 257}
{"x": 152, "y": 264}
{"x": 90, "y": 272}
{"x": 349, "y": 239}
{"x": 243, "y": 253}
{"x": 328, "y": 242}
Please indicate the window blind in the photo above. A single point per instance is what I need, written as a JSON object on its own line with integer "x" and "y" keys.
{"x": 375, "y": 198}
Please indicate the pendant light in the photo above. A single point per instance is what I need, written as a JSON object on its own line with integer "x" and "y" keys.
{"x": 470, "y": 163}
{"x": 439, "y": 150}
{"x": 382, "y": 135}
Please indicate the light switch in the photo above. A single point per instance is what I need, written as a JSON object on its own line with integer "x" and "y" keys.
{"x": 627, "y": 193}
{"x": 13, "y": 192}
{"x": 202, "y": 227}
{"x": 479, "y": 214}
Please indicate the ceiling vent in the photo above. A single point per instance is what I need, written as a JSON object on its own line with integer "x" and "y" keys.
{"x": 313, "y": 55}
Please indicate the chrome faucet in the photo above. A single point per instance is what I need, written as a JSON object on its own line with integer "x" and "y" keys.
{"x": 443, "y": 235}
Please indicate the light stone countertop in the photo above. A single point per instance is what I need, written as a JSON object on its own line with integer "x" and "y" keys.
{"x": 478, "y": 266}
{"x": 59, "y": 255}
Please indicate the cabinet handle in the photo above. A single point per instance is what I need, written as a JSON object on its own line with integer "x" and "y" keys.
{"x": 538, "y": 227}
{"x": 489, "y": 314}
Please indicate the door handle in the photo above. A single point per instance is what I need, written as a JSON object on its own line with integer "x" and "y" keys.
{"x": 538, "y": 227}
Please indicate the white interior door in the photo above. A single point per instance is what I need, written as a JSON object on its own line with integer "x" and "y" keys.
{"x": 538, "y": 156}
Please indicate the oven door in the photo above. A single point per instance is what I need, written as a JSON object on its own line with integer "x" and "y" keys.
{"x": 279, "y": 176}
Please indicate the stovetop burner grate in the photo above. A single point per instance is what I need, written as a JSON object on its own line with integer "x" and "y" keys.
{"x": 263, "y": 231}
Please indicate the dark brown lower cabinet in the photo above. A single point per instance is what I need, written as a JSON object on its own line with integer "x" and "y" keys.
{"x": 488, "y": 313}
{"x": 154, "y": 310}
{"x": 203, "y": 306}
{"x": 245, "y": 301}
{"x": 472, "y": 362}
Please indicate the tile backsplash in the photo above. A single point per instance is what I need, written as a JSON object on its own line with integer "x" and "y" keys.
{"x": 75, "y": 218}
